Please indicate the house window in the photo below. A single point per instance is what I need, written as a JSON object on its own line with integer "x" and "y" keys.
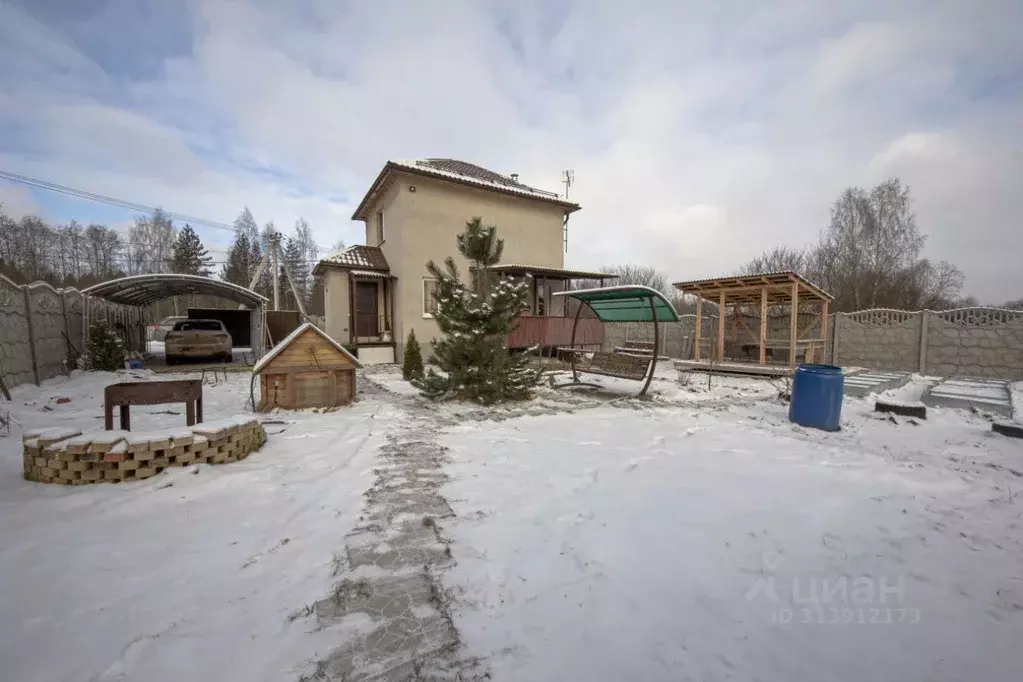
{"x": 429, "y": 297}
{"x": 380, "y": 228}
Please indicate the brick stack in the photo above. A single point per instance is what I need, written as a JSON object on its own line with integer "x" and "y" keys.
{"x": 73, "y": 458}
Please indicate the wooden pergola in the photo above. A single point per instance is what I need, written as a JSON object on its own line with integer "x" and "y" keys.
{"x": 767, "y": 289}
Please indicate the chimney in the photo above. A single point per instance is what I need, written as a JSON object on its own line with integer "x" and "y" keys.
{"x": 515, "y": 177}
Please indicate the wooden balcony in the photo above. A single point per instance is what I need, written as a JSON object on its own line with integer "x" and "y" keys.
{"x": 537, "y": 330}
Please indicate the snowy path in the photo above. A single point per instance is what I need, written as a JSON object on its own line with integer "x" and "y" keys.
{"x": 186, "y": 576}
{"x": 724, "y": 543}
{"x": 389, "y": 592}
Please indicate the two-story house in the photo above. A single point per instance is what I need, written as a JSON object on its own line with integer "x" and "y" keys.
{"x": 374, "y": 294}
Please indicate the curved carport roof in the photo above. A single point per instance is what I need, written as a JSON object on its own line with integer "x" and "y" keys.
{"x": 140, "y": 290}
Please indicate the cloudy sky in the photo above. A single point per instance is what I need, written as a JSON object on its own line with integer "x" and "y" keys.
{"x": 700, "y": 133}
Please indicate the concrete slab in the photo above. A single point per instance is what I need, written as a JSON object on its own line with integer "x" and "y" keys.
{"x": 989, "y": 395}
{"x": 866, "y": 382}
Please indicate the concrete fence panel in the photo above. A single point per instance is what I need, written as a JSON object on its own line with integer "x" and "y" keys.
{"x": 15, "y": 346}
{"x": 48, "y": 330}
{"x": 42, "y": 329}
{"x": 880, "y": 339}
{"x": 974, "y": 342}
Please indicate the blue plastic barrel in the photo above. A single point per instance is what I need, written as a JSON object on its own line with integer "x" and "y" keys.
{"x": 817, "y": 396}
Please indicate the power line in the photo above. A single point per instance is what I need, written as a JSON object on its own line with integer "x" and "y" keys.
{"x": 91, "y": 196}
{"x": 121, "y": 203}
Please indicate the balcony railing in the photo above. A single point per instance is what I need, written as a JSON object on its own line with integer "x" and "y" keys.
{"x": 538, "y": 330}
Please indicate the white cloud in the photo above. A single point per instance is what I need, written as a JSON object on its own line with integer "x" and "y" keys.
{"x": 700, "y": 134}
{"x": 17, "y": 201}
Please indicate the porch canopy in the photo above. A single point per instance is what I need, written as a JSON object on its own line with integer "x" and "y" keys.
{"x": 625, "y": 303}
{"x": 785, "y": 288}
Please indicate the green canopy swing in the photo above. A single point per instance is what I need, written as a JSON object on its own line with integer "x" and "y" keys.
{"x": 625, "y": 303}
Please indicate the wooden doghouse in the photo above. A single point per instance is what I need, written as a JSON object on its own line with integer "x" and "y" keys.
{"x": 306, "y": 369}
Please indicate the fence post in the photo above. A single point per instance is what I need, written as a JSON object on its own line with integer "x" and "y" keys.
{"x": 924, "y": 316}
{"x": 67, "y": 331}
{"x": 31, "y": 334}
{"x": 836, "y": 331}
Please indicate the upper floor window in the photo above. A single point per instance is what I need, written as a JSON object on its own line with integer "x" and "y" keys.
{"x": 380, "y": 228}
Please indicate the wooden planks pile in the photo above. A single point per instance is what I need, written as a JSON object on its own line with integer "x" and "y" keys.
{"x": 73, "y": 458}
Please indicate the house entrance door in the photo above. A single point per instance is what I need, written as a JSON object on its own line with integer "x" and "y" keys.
{"x": 367, "y": 322}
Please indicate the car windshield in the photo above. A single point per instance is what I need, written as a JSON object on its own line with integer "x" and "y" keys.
{"x": 168, "y": 321}
{"x": 198, "y": 325}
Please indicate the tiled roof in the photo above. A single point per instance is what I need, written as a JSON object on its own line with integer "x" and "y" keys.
{"x": 465, "y": 173}
{"x": 358, "y": 256}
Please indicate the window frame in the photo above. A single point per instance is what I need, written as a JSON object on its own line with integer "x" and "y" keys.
{"x": 380, "y": 227}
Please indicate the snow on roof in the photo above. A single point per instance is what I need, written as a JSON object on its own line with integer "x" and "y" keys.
{"x": 265, "y": 360}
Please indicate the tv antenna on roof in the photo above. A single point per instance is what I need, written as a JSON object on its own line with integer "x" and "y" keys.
{"x": 567, "y": 177}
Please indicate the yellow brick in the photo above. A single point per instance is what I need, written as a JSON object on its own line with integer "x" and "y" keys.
{"x": 128, "y": 465}
{"x": 47, "y": 472}
{"x": 160, "y": 444}
{"x": 145, "y": 472}
{"x": 144, "y": 456}
{"x": 112, "y": 475}
{"x": 41, "y": 461}
{"x": 160, "y": 462}
{"x": 79, "y": 466}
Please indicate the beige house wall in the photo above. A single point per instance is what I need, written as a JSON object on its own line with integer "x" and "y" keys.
{"x": 422, "y": 225}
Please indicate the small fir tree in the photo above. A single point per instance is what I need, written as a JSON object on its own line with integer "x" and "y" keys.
{"x": 412, "y": 361}
{"x": 474, "y": 320}
{"x": 105, "y": 351}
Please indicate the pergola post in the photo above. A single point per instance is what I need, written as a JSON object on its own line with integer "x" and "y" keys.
{"x": 824, "y": 329}
{"x": 721, "y": 327}
{"x": 763, "y": 326}
{"x": 699, "y": 327}
{"x": 794, "y": 323}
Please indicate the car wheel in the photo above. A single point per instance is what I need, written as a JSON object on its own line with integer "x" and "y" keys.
{"x": 228, "y": 358}
{"x": 172, "y": 360}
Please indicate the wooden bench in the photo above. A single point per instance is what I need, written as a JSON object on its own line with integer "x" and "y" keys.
{"x": 188, "y": 391}
{"x": 622, "y": 365}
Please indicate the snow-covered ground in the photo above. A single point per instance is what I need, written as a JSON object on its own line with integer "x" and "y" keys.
{"x": 695, "y": 535}
{"x": 722, "y": 542}
{"x": 192, "y": 574}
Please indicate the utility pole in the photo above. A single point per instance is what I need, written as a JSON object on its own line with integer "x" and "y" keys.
{"x": 274, "y": 258}
{"x": 275, "y": 247}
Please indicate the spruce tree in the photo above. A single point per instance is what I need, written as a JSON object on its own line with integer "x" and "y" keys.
{"x": 238, "y": 269}
{"x": 475, "y": 319}
{"x": 412, "y": 359}
{"x": 190, "y": 256}
{"x": 105, "y": 350}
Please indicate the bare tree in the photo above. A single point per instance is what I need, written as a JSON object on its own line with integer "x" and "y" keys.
{"x": 150, "y": 244}
{"x": 870, "y": 255}
{"x": 778, "y": 259}
{"x": 1014, "y": 305}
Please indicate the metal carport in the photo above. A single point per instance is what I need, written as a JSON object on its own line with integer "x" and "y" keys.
{"x": 141, "y": 290}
